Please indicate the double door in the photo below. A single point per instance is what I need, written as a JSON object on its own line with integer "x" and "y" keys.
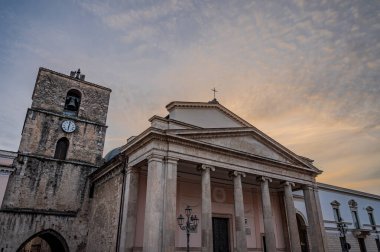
{"x": 220, "y": 229}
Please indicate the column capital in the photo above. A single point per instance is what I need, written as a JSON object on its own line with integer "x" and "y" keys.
{"x": 131, "y": 169}
{"x": 263, "y": 179}
{"x": 172, "y": 160}
{"x": 288, "y": 183}
{"x": 236, "y": 173}
{"x": 122, "y": 157}
{"x": 310, "y": 186}
{"x": 206, "y": 167}
{"x": 154, "y": 157}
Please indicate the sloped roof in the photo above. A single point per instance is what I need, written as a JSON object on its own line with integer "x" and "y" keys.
{"x": 211, "y": 104}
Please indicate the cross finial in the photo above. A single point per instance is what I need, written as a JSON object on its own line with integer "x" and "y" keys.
{"x": 214, "y": 90}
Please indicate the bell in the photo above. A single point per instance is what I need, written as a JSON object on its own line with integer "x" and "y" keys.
{"x": 72, "y": 104}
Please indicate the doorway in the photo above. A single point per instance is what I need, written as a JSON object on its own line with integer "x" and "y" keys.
{"x": 302, "y": 232}
{"x": 220, "y": 230}
{"x": 362, "y": 245}
{"x": 45, "y": 241}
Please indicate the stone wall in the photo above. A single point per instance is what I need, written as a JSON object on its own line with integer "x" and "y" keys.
{"x": 42, "y": 131}
{"x": 17, "y": 228}
{"x": 104, "y": 214}
{"x": 51, "y": 90}
{"x": 40, "y": 184}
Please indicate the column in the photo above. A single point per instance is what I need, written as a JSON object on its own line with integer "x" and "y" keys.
{"x": 295, "y": 245}
{"x": 128, "y": 223}
{"x": 316, "y": 232}
{"x": 170, "y": 206}
{"x": 270, "y": 238}
{"x": 206, "y": 218}
{"x": 154, "y": 207}
{"x": 241, "y": 239}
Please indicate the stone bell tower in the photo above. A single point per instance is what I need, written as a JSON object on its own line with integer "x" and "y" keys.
{"x": 62, "y": 143}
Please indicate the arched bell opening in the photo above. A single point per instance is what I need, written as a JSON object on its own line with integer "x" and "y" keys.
{"x": 72, "y": 102}
{"x": 45, "y": 241}
{"x": 302, "y": 230}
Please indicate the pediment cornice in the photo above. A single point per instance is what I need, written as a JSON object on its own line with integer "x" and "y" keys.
{"x": 202, "y": 105}
{"x": 152, "y": 134}
{"x": 246, "y": 131}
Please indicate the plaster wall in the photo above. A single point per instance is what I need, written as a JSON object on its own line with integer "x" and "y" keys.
{"x": 327, "y": 196}
{"x": 203, "y": 117}
{"x": 189, "y": 194}
{"x": 246, "y": 144}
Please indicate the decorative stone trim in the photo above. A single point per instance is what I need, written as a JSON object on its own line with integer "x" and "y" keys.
{"x": 288, "y": 183}
{"x": 237, "y": 173}
{"x": 39, "y": 211}
{"x": 263, "y": 179}
{"x": 369, "y": 209}
{"x": 335, "y": 204}
{"x": 353, "y": 204}
{"x": 206, "y": 167}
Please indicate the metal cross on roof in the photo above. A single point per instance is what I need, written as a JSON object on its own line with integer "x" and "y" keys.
{"x": 214, "y": 90}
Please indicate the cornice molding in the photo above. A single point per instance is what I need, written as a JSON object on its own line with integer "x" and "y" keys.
{"x": 158, "y": 135}
{"x": 191, "y": 105}
{"x": 351, "y": 192}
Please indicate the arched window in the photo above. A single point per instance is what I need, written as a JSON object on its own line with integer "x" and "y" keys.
{"x": 72, "y": 102}
{"x": 61, "y": 148}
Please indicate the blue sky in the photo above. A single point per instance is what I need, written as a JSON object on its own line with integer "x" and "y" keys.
{"x": 305, "y": 72}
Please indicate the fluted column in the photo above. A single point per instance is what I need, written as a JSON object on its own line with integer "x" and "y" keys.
{"x": 313, "y": 216}
{"x": 206, "y": 220}
{"x": 295, "y": 245}
{"x": 170, "y": 206}
{"x": 128, "y": 224}
{"x": 270, "y": 238}
{"x": 241, "y": 239}
{"x": 154, "y": 207}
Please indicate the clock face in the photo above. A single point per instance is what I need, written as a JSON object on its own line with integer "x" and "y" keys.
{"x": 68, "y": 126}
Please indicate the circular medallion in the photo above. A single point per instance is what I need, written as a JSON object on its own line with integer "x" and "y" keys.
{"x": 219, "y": 194}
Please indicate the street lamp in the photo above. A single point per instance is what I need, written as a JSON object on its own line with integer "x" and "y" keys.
{"x": 190, "y": 225}
{"x": 342, "y": 227}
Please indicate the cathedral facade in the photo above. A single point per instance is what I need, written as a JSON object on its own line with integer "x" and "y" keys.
{"x": 200, "y": 178}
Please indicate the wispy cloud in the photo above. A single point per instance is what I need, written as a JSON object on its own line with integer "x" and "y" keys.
{"x": 305, "y": 72}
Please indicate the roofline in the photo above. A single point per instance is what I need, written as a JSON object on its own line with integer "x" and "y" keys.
{"x": 154, "y": 131}
{"x": 68, "y": 77}
{"x": 229, "y": 113}
{"x": 347, "y": 191}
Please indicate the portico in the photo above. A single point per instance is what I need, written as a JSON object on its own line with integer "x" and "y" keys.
{"x": 236, "y": 175}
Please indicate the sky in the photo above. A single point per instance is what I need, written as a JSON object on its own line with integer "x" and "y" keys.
{"x": 304, "y": 72}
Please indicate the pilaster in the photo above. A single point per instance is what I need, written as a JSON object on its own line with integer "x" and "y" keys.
{"x": 128, "y": 224}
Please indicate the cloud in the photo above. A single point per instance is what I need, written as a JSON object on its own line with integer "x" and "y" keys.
{"x": 304, "y": 72}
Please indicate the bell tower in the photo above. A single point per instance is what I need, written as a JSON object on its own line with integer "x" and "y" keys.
{"x": 62, "y": 143}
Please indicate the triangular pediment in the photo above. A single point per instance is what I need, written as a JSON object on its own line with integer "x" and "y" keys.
{"x": 248, "y": 141}
{"x": 205, "y": 115}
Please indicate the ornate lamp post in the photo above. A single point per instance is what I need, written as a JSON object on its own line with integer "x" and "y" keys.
{"x": 342, "y": 227}
{"x": 190, "y": 225}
